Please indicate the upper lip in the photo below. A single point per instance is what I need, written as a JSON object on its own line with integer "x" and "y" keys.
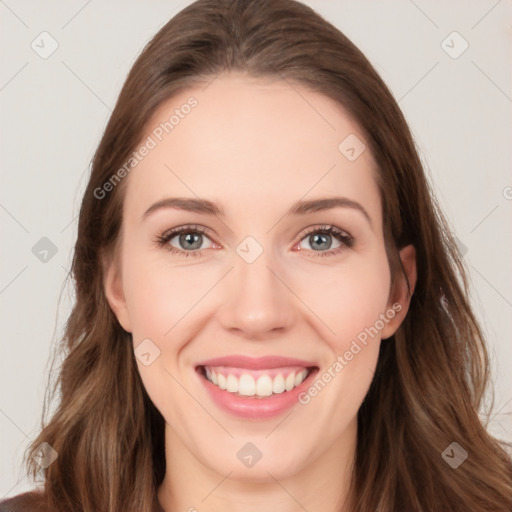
{"x": 256, "y": 363}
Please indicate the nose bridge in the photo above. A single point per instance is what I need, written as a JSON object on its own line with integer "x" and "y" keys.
{"x": 257, "y": 299}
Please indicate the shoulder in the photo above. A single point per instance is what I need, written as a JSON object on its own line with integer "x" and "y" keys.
{"x": 31, "y": 501}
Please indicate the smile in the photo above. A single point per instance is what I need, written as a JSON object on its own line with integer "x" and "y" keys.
{"x": 255, "y": 388}
{"x": 260, "y": 384}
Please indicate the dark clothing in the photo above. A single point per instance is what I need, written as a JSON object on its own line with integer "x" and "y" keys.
{"x": 27, "y": 502}
{"x": 33, "y": 502}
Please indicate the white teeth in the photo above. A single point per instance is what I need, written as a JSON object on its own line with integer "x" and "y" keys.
{"x": 278, "y": 384}
{"x": 232, "y": 384}
{"x": 263, "y": 387}
{"x": 247, "y": 386}
{"x": 289, "y": 382}
{"x": 221, "y": 381}
{"x": 300, "y": 377}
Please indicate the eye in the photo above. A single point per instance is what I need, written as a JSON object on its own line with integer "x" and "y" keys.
{"x": 189, "y": 239}
{"x": 320, "y": 239}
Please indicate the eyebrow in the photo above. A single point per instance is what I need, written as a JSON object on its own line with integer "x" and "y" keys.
{"x": 299, "y": 208}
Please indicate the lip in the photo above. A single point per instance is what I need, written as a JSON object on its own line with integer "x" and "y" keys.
{"x": 257, "y": 363}
{"x": 254, "y": 408}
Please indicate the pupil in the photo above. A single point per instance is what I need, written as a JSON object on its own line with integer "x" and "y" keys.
{"x": 316, "y": 237}
{"x": 188, "y": 237}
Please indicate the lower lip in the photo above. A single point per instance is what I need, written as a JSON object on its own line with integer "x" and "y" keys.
{"x": 252, "y": 407}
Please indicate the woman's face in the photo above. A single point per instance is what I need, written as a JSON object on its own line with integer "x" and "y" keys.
{"x": 260, "y": 296}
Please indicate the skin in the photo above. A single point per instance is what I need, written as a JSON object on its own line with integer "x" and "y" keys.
{"x": 255, "y": 147}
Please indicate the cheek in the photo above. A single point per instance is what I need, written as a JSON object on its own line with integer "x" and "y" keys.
{"x": 351, "y": 306}
{"x": 158, "y": 295}
{"x": 346, "y": 298}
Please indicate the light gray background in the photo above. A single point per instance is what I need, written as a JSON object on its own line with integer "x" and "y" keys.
{"x": 53, "y": 112}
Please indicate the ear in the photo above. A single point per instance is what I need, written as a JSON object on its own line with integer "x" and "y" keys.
{"x": 113, "y": 286}
{"x": 399, "y": 297}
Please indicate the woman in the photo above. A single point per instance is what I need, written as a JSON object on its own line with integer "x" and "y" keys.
{"x": 218, "y": 357}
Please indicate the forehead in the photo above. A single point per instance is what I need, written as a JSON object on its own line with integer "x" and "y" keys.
{"x": 254, "y": 144}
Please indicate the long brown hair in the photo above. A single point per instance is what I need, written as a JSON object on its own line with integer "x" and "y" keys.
{"x": 432, "y": 375}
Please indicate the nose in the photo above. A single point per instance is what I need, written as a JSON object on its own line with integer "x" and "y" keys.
{"x": 258, "y": 303}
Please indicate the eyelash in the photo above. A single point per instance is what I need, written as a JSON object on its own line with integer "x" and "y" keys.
{"x": 342, "y": 236}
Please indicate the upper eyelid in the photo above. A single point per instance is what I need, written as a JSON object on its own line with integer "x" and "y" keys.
{"x": 171, "y": 233}
{"x": 192, "y": 228}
